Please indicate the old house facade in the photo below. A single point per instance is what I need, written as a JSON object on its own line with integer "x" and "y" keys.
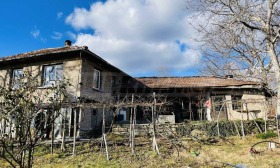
{"x": 92, "y": 79}
{"x": 210, "y": 98}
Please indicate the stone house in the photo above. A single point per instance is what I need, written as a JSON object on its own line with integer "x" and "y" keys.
{"x": 90, "y": 76}
{"x": 94, "y": 79}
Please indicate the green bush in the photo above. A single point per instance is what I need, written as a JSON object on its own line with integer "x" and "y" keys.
{"x": 226, "y": 127}
{"x": 269, "y": 134}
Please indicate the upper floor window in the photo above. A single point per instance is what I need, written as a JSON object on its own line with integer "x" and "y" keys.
{"x": 96, "y": 79}
{"x": 52, "y": 74}
{"x": 114, "y": 81}
{"x": 17, "y": 76}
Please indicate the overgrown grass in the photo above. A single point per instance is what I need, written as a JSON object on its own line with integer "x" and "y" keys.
{"x": 189, "y": 152}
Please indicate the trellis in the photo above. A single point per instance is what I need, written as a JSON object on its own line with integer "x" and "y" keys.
{"x": 131, "y": 101}
{"x": 244, "y": 103}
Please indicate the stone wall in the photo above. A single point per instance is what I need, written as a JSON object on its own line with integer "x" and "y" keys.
{"x": 5, "y": 77}
{"x": 226, "y": 128}
{"x": 105, "y": 92}
{"x": 92, "y": 118}
{"x": 71, "y": 72}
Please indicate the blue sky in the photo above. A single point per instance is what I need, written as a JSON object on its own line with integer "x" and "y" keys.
{"x": 141, "y": 37}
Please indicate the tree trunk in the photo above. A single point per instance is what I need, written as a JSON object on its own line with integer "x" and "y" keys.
{"x": 278, "y": 97}
{"x": 29, "y": 159}
{"x": 276, "y": 67}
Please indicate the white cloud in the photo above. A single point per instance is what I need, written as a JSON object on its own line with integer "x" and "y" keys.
{"x": 59, "y": 15}
{"x": 57, "y": 35}
{"x": 35, "y": 33}
{"x": 138, "y": 36}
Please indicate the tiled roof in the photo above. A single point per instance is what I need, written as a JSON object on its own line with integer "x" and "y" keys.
{"x": 49, "y": 51}
{"x": 41, "y": 52}
{"x": 191, "y": 82}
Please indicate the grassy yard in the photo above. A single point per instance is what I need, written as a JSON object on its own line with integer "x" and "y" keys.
{"x": 186, "y": 153}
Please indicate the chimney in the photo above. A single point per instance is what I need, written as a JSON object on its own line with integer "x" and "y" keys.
{"x": 229, "y": 76}
{"x": 67, "y": 43}
{"x": 85, "y": 47}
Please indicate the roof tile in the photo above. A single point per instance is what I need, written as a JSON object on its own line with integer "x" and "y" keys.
{"x": 41, "y": 52}
{"x": 183, "y": 82}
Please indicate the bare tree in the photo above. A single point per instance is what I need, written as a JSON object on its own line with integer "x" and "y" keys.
{"x": 241, "y": 35}
{"x": 23, "y": 120}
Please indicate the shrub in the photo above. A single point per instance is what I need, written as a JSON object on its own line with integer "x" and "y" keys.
{"x": 226, "y": 128}
{"x": 269, "y": 134}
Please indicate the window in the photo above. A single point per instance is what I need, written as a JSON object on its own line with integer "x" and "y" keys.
{"x": 217, "y": 103}
{"x": 52, "y": 74}
{"x": 17, "y": 76}
{"x": 236, "y": 102}
{"x": 94, "y": 120}
{"x": 114, "y": 81}
{"x": 96, "y": 79}
{"x": 94, "y": 112}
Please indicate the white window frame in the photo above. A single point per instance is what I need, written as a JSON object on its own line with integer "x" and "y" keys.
{"x": 96, "y": 79}
{"x": 17, "y": 77}
{"x": 47, "y": 82}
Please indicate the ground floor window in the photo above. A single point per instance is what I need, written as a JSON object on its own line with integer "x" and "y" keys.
{"x": 218, "y": 103}
{"x": 236, "y": 102}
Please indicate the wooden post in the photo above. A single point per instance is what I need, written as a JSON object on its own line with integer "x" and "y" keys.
{"x": 254, "y": 119}
{"x": 133, "y": 132}
{"x": 277, "y": 126}
{"x": 190, "y": 109}
{"x": 75, "y": 132}
{"x": 130, "y": 126}
{"x": 10, "y": 128}
{"x": 265, "y": 121}
{"x": 154, "y": 144}
{"x": 104, "y": 133}
{"x": 131, "y": 139}
{"x": 242, "y": 125}
{"x": 79, "y": 122}
{"x": 247, "y": 112}
{"x": 52, "y": 137}
{"x": 69, "y": 123}
{"x": 190, "y": 105}
{"x": 233, "y": 120}
{"x": 218, "y": 128}
{"x": 64, "y": 116}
